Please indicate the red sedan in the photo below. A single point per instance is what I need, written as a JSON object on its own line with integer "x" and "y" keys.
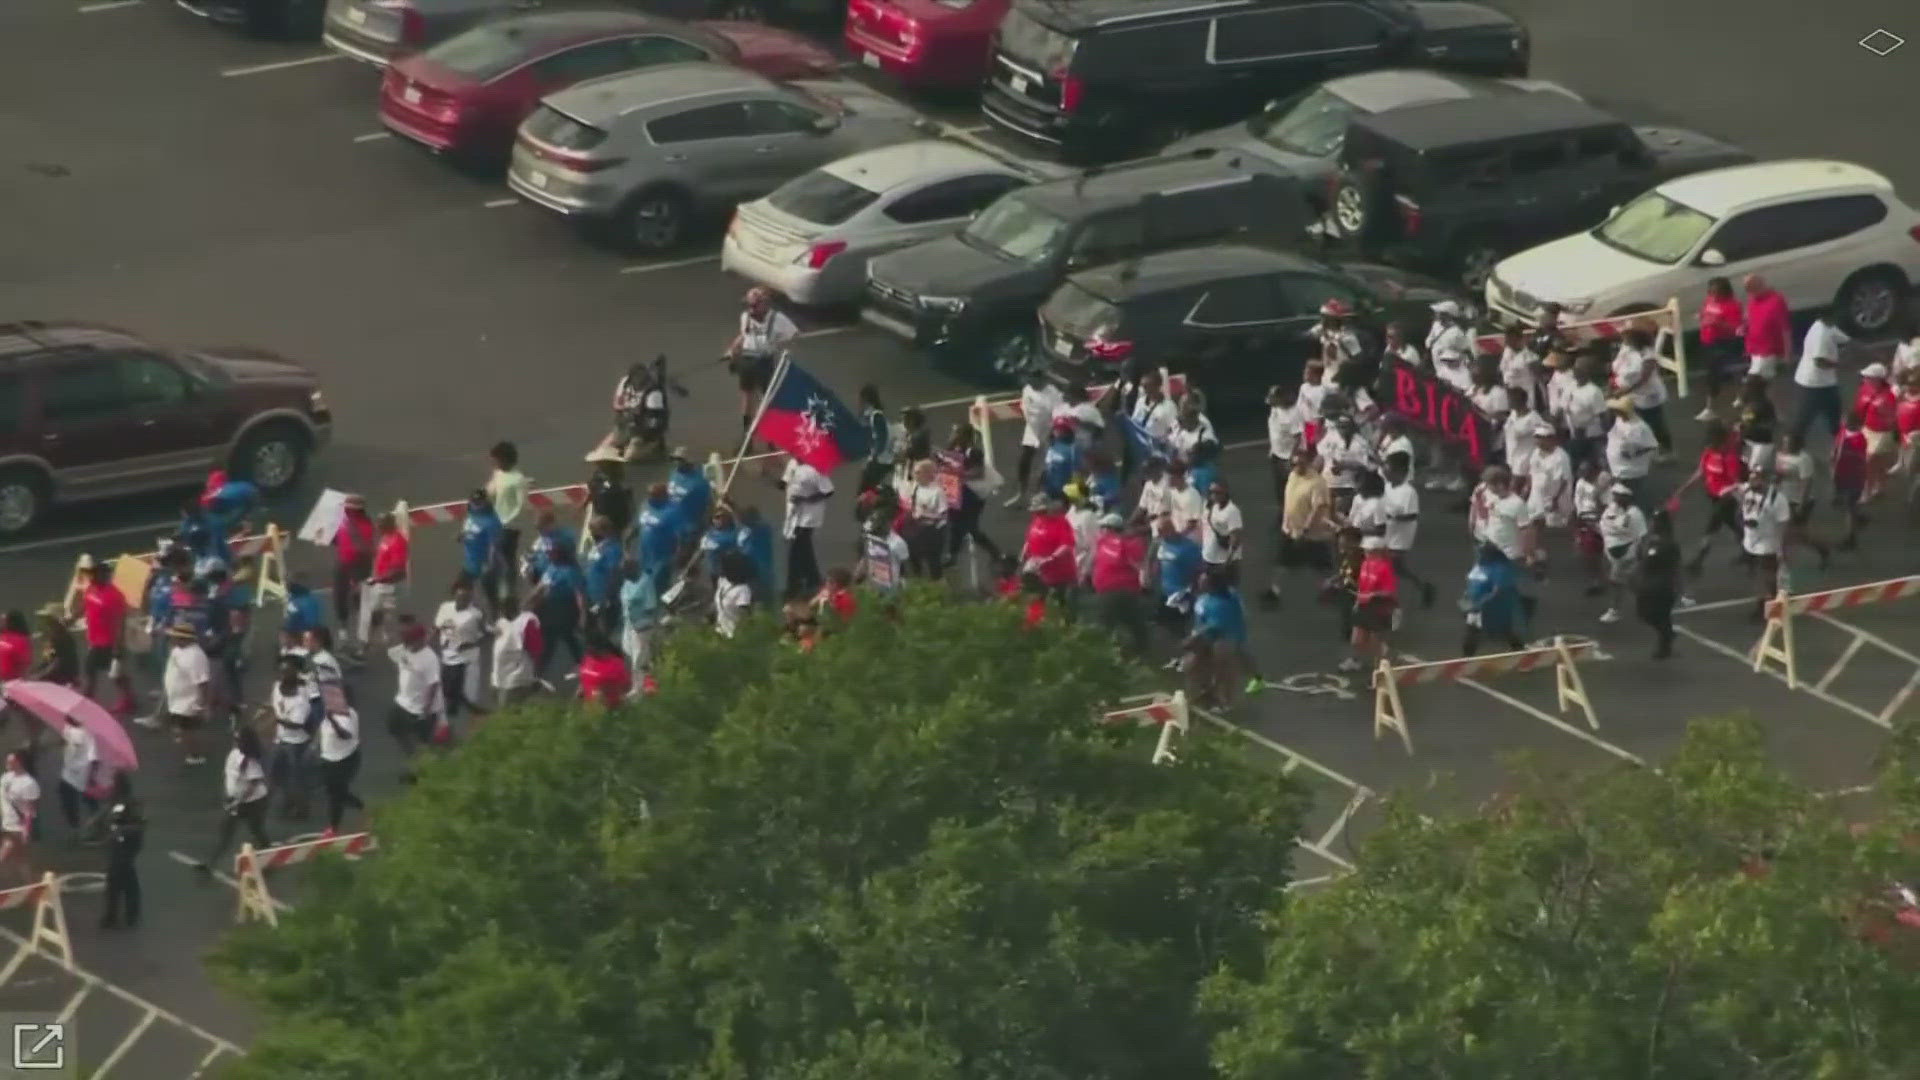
{"x": 926, "y": 44}
{"x": 468, "y": 95}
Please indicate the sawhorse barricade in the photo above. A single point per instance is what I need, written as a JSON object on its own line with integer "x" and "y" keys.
{"x": 268, "y": 549}
{"x": 1776, "y": 641}
{"x": 1669, "y": 345}
{"x": 1169, "y": 711}
{"x": 559, "y": 500}
{"x": 249, "y": 868}
{"x": 49, "y": 935}
{"x": 1390, "y": 714}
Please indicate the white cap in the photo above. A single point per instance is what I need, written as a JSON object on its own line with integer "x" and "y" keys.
{"x": 1874, "y": 371}
{"x": 1447, "y": 307}
{"x": 1373, "y": 543}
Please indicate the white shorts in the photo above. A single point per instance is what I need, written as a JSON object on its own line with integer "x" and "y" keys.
{"x": 1764, "y": 366}
{"x": 381, "y": 596}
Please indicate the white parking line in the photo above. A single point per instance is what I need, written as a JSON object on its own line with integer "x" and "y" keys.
{"x": 828, "y": 331}
{"x": 498, "y": 203}
{"x": 109, "y": 5}
{"x": 82, "y": 538}
{"x": 258, "y": 69}
{"x": 648, "y": 268}
{"x": 225, "y": 879}
{"x": 373, "y": 136}
{"x": 1746, "y": 660}
{"x": 1544, "y": 717}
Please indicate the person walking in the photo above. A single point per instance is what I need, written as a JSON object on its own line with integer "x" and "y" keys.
{"x": 927, "y": 507}
{"x": 639, "y": 620}
{"x": 878, "y": 467}
{"x": 1879, "y": 410}
{"x": 765, "y": 332}
{"x": 1764, "y": 514}
{"x": 517, "y": 643}
{"x": 1622, "y": 526}
{"x": 1376, "y": 605}
{"x": 1793, "y": 472}
{"x": 1656, "y": 586}
{"x": 1492, "y": 602}
{"x": 105, "y": 610}
{"x": 807, "y": 490}
{"x": 1631, "y": 447}
{"x": 1719, "y": 475}
{"x": 1850, "y": 464}
{"x": 1286, "y": 431}
{"x": 1722, "y": 324}
{"x": 19, "y": 803}
{"x": 1040, "y": 402}
{"x": 16, "y": 646}
{"x": 245, "y": 784}
{"x": 1636, "y": 377}
{"x": 605, "y": 557}
{"x": 560, "y": 598}
{"x": 1817, "y": 376}
{"x": 1769, "y": 329}
{"x": 1219, "y": 657}
{"x": 380, "y": 596}
{"x": 1400, "y": 507}
{"x": 507, "y": 489}
{"x": 1119, "y": 572}
{"x": 339, "y": 733}
{"x": 733, "y": 593}
{"x": 481, "y": 559}
{"x": 964, "y": 457}
{"x": 1306, "y": 519}
{"x": 418, "y": 697}
{"x": 79, "y": 776}
{"x": 1221, "y": 533}
{"x": 1154, "y": 414}
{"x": 294, "y": 703}
{"x": 59, "y": 661}
{"x": 353, "y": 544}
{"x": 187, "y": 684}
{"x": 459, "y": 629}
{"x": 604, "y": 675}
{"x": 610, "y": 496}
{"x": 1757, "y": 422}
{"x": 126, "y": 834}
{"x": 1049, "y": 551}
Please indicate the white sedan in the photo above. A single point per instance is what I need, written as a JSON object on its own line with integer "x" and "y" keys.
{"x": 810, "y": 240}
{"x": 1823, "y": 233}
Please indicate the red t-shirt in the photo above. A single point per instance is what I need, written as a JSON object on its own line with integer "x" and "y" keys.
{"x": 1719, "y": 470}
{"x": 1768, "y": 327}
{"x": 1850, "y": 460}
{"x": 1719, "y": 320}
{"x": 106, "y": 611}
{"x": 390, "y": 558}
{"x": 1050, "y": 543}
{"x": 1376, "y": 580}
{"x": 839, "y": 601}
{"x": 604, "y": 679}
{"x": 1906, "y": 416}
{"x": 16, "y": 654}
{"x": 355, "y": 537}
{"x": 1877, "y": 406}
{"x": 1116, "y": 562}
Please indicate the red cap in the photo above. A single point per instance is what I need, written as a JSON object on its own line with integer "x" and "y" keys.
{"x": 1335, "y": 308}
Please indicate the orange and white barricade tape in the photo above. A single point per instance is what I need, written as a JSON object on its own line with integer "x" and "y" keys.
{"x": 562, "y": 499}
{"x": 1169, "y": 711}
{"x": 1669, "y": 346}
{"x": 131, "y": 573}
{"x": 49, "y": 935}
{"x": 1776, "y": 641}
{"x": 1390, "y": 714}
{"x": 250, "y": 866}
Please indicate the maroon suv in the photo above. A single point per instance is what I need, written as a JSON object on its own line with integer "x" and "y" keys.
{"x": 88, "y": 412}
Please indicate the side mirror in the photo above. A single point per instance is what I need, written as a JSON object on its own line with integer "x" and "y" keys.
{"x": 1712, "y": 257}
{"x": 824, "y": 124}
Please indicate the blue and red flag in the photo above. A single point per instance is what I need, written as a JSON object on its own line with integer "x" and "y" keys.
{"x": 804, "y": 418}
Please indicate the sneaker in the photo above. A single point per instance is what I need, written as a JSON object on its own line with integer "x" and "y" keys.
{"x": 1705, "y": 414}
{"x": 329, "y": 833}
{"x": 151, "y": 723}
{"x": 196, "y": 761}
{"x": 1254, "y": 686}
{"x": 1349, "y": 664}
{"x": 1610, "y": 616}
{"x": 1171, "y": 665}
{"x": 1685, "y": 601}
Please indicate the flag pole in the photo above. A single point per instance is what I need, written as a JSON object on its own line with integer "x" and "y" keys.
{"x": 746, "y": 441}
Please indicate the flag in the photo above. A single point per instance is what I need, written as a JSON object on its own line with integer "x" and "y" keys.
{"x": 1145, "y": 443}
{"x": 804, "y": 418}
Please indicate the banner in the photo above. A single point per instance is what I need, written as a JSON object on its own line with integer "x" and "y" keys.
{"x": 882, "y": 574}
{"x": 1432, "y": 405}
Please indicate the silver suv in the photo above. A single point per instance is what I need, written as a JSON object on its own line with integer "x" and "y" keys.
{"x": 641, "y": 154}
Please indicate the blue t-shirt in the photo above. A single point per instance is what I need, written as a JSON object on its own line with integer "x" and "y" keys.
{"x": 479, "y": 537}
{"x": 1493, "y": 589}
{"x": 1108, "y": 493}
{"x": 660, "y": 531}
{"x": 160, "y": 599}
{"x": 231, "y": 505}
{"x": 639, "y": 602}
{"x": 716, "y": 543}
{"x": 1219, "y": 616}
{"x": 1058, "y": 468}
{"x": 603, "y": 571}
{"x": 563, "y": 584}
{"x": 757, "y": 542}
{"x": 1179, "y": 562}
{"x": 540, "y": 552}
{"x": 303, "y": 613}
{"x": 690, "y": 494}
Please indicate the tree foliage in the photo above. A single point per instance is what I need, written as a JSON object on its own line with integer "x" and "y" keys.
{"x": 908, "y": 855}
{"x": 1711, "y": 920}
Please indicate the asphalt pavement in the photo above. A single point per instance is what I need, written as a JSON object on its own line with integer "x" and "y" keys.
{"x": 166, "y": 176}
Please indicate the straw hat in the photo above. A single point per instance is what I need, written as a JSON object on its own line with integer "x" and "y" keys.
{"x": 1623, "y": 406}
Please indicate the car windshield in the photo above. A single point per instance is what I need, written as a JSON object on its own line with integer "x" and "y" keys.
{"x": 1655, "y": 228}
{"x": 1014, "y": 228}
{"x": 821, "y": 198}
{"x": 483, "y": 53}
{"x": 1313, "y": 125}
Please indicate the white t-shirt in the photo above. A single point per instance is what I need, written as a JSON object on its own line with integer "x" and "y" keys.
{"x": 1449, "y": 346}
{"x": 1621, "y": 524}
{"x": 1559, "y": 385}
{"x": 1583, "y": 409}
{"x": 1506, "y": 515}
{"x": 1312, "y": 400}
{"x": 1220, "y": 541}
{"x": 290, "y": 712}
{"x": 1492, "y": 401}
{"x": 1517, "y": 439}
{"x": 1517, "y": 369}
{"x": 1037, "y": 406}
{"x": 417, "y": 685}
{"x": 1629, "y": 364}
{"x": 245, "y": 780}
{"x": 1455, "y": 373}
{"x": 1085, "y": 521}
{"x": 927, "y": 504}
{"x": 1763, "y": 519}
{"x": 1159, "y": 418}
{"x": 1286, "y": 424}
{"x": 1182, "y": 440}
{"x": 186, "y": 679}
{"x": 460, "y": 630}
{"x": 766, "y": 336}
{"x": 1398, "y": 444}
{"x": 1342, "y": 458}
{"x": 1590, "y": 497}
{"x": 804, "y": 481}
{"x": 1550, "y": 487}
{"x": 1630, "y": 448}
{"x": 1823, "y": 341}
{"x": 731, "y": 601}
{"x": 1369, "y": 515}
{"x": 77, "y": 756}
{"x": 1187, "y": 506}
{"x": 1153, "y": 498}
{"x": 339, "y": 745}
{"x": 512, "y": 663}
{"x": 1795, "y": 473}
{"x": 18, "y": 794}
{"x": 1906, "y": 357}
{"x": 1401, "y": 505}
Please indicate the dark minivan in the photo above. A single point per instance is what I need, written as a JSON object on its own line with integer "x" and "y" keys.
{"x": 1102, "y": 79}
{"x": 969, "y": 298}
{"x": 88, "y": 412}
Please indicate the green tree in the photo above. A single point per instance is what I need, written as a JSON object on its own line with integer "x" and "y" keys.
{"x": 908, "y": 854}
{"x": 1710, "y": 920}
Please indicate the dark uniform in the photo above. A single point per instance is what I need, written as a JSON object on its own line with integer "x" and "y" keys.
{"x": 126, "y": 833}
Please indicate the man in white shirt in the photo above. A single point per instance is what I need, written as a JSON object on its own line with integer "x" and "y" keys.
{"x": 807, "y": 490}
{"x": 79, "y": 766}
{"x": 1186, "y": 506}
{"x": 1286, "y": 429}
{"x": 459, "y": 626}
{"x": 1518, "y": 365}
{"x": 516, "y": 646}
{"x": 1818, "y": 377}
{"x": 1622, "y": 527}
{"x": 1636, "y": 376}
{"x": 1631, "y": 447}
{"x": 1400, "y": 504}
{"x": 1343, "y": 454}
{"x": 19, "y": 801}
{"x": 1222, "y": 526}
{"x": 339, "y": 761}
{"x": 1584, "y": 414}
{"x": 732, "y": 593}
{"x": 1450, "y": 347}
{"x": 293, "y": 703}
{"x": 764, "y": 335}
{"x": 1339, "y": 345}
{"x": 1549, "y": 480}
{"x": 1503, "y": 515}
{"x": 417, "y": 697}
{"x": 186, "y": 684}
{"x": 1039, "y": 400}
{"x": 1154, "y": 411}
{"x": 1154, "y": 486}
{"x": 1764, "y": 515}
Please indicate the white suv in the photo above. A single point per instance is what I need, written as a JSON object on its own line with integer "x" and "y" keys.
{"x": 1821, "y": 232}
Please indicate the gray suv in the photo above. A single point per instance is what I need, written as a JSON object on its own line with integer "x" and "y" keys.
{"x": 639, "y": 156}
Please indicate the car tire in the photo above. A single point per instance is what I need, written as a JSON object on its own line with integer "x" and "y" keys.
{"x": 272, "y": 457}
{"x": 1355, "y": 213}
{"x": 1871, "y": 303}
{"x": 652, "y": 222}
{"x": 24, "y": 498}
{"x": 1009, "y": 352}
{"x": 1477, "y": 257}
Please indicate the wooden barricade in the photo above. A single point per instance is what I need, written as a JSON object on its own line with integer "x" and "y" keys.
{"x": 249, "y": 868}
{"x": 1776, "y": 640}
{"x": 1389, "y": 711}
{"x": 49, "y": 934}
{"x": 1169, "y": 711}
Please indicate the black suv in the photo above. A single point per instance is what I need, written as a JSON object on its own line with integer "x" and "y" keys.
{"x": 1456, "y": 186}
{"x": 970, "y": 298}
{"x": 1102, "y": 79}
{"x": 1236, "y": 318}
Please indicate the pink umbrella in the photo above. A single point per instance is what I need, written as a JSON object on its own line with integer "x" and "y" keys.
{"x": 52, "y": 704}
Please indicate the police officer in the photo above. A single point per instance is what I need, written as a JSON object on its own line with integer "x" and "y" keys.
{"x": 126, "y": 833}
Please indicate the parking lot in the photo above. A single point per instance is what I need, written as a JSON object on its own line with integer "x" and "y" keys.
{"x": 162, "y": 175}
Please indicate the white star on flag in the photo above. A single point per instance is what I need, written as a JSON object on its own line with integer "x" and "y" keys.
{"x": 816, "y": 424}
